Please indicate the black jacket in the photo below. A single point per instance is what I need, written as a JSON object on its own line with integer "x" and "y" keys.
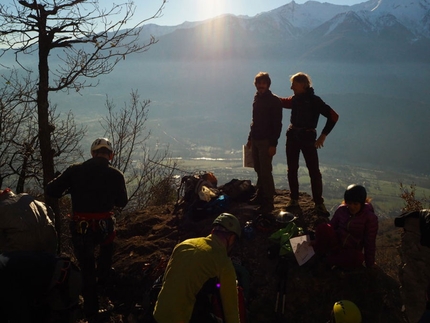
{"x": 266, "y": 118}
{"x": 306, "y": 109}
{"x": 95, "y": 186}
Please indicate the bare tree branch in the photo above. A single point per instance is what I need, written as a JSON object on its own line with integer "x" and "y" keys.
{"x": 146, "y": 171}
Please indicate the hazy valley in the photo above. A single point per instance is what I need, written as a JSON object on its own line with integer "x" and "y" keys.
{"x": 371, "y": 66}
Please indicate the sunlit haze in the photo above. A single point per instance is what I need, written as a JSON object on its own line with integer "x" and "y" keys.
{"x": 176, "y": 12}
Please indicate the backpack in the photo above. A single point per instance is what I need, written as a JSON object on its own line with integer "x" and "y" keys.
{"x": 238, "y": 190}
{"x": 65, "y": 287}
{"x": 200, "y": 197}
{"x": 424, "y": 223}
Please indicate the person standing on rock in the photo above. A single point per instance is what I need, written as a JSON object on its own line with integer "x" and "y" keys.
{"x": 96, "y": 188}
{"x": 195, "y": 268}
{"x": 306, "y": 108}
{"x": 263, "y": 138}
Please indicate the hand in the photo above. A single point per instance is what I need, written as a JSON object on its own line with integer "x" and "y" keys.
{"x": 248, "y": 144}
{"x": 319, "y": 143}
{"x": 272, "y": 151}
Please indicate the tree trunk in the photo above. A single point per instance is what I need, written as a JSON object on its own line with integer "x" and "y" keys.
{"x": 43, "y": 120}
{"x": 21, "y": 179}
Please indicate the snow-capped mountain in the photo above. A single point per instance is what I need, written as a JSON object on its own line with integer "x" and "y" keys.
{"x": 411, "y": 13}
{"x": 306, "y": 16}
{"x": 375, "y": 29}
{"x": 414, "y": 15}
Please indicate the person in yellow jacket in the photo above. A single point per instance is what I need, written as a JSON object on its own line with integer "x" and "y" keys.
{"x": 192, "y": 264}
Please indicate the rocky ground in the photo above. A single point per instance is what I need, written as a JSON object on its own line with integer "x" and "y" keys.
{"x": 145, "y": 240}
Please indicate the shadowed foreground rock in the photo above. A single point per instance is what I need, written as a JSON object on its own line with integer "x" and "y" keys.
{"x": 146, "y": 237}
{"x": 414, "y": 272}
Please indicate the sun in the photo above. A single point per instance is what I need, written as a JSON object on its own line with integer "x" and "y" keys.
{"x": 206, "y": 9}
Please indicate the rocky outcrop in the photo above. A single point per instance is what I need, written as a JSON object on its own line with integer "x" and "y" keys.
{"x": 415, "y": 270}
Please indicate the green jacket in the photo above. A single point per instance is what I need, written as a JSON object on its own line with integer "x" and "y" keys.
{"x": 192, "y": 263}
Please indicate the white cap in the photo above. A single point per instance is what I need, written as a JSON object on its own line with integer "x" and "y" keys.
{"x": 101, "y": 143}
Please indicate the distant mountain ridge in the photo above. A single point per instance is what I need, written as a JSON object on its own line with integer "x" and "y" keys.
{"x": 369, "y": 61}
{"x": 377, "y": 14}
{"x": 413, "y": 14}
{"x": 366, "y": 50}
{"x": 386, "y": 29}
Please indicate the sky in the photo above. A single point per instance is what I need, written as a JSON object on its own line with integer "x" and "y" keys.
{"x": 177, "y": 11}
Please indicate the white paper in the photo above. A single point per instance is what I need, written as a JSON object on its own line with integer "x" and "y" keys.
{"x": 248, "y": 161}
{"x": 301, "y": 249}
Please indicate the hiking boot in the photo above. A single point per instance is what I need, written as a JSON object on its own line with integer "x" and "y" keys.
{"x": 321, "y": 210}
{"x": 292, "y": 203}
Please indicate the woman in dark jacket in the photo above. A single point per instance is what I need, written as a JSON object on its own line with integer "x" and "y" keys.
{"x": 349, "y": 239}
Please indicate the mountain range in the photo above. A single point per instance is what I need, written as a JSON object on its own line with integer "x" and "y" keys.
{"x": 370, "y": 62}
{"x": 373, "y": 30}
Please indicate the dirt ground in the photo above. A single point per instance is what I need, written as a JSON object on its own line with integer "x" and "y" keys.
{"x": 145, "y": 240}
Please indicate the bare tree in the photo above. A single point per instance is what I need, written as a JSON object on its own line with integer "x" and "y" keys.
{"x": 14, "y": 111}
{"x": 149, "y": 173}
{"x": 92, "y": 41}
{"x": 412, "y": 202}
{"x": 20, "y": 159}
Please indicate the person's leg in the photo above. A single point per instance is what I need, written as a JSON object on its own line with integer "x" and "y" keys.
{"x": 84, "y": 248}
{"x": 325, "y": 239}
{"x": 265, "y": 176}
{"x": 312, "y": 163}
{"x": 293, "y": 154}
{"x": 346, "y": 258}
{"x": 104, "y": 264}
{"x": 255, "y": 157}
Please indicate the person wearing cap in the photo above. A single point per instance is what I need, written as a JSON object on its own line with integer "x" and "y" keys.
{"x": 345, "y": 311}
{"x": 193, "y": 265}
{"x": 352, "y": 230}
{"x": 96, "y": 188}
{"x": 26, "y": 224}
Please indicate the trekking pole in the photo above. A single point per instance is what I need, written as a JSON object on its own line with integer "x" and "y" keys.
{"x": 284, "y": 292}
{"x": 277, "y": 297}
{"x": 285, "y": 274}
{"x": 282, "y": 271}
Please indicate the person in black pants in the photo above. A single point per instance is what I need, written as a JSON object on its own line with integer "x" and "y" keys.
{"x": 306, "y": 108}
{"x": 96, "y": 189}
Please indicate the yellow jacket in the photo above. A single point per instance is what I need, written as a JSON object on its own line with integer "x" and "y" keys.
{"x": 191, "y": 264}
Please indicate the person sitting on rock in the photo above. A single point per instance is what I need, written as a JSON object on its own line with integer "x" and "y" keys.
{"x": 34, "y": 288}
{"x": 26, "y": 224}
{"x": 193, "y": 264}
{"x": 352, "y": 229}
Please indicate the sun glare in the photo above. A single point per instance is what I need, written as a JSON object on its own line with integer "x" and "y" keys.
{"x": 211, "y": 8}
{"x": 215, "y": 35}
